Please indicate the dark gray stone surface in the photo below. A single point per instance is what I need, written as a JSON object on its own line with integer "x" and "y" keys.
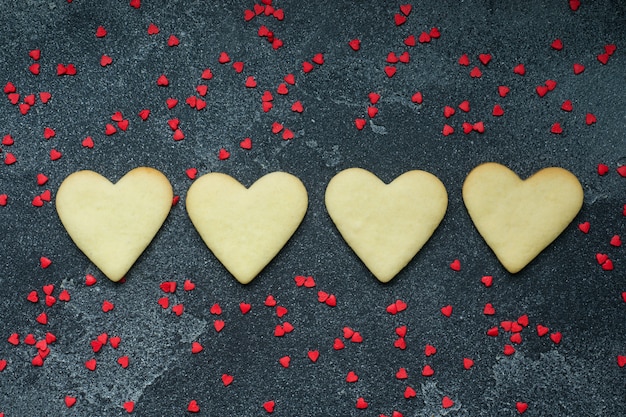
{"x": 564, "y": 288}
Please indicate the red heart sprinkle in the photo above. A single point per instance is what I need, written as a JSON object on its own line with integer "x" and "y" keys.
{"x": 107, "y": 306}
{"x": 493, "y": 331}
{"x": 574, "y": 4}
{"x": 455, "y": 265}
{"x": 417, "y": 98}
{"x": 516, "y": 338}
{"x": 33, "y": 297}
{"x": 129, "y": 406}
{"x": 50, "y": 300}
{"x": 34, "y": 68}
{"x": 44, "y": 96}
{"x": 173, "y": 41}
{"x": 621, "y": 170}
{"x": 360, "y": 123}
{"x": 464, "y": 60}
{"x": 476, "y": 73}
{"x": 9, "y": 88}
{"x": 479, "y": 127}
{"x": 219, "y": 325}
{"x": 484, "y": 58}
{"x": 497, "y": 111}
{"x": 318, "y": 59}
{"x": 467, "y": 128}
{"x": 101, "y": 32}
{"x": 584, "y": 227}
{"x": 37, "y": 201}
{"x": 297, "y": 107}
{"x": 610, "y": 49}
{"x": 551, "y": 84}
{"x": 223, "y": 154}
{"x": 557, "y": 44}
{"x": 542, "y": 330}
{"x": 434, "y": 33}
{"x": 590, "y": 119}
{"x": 135, "y": 4}
{"x": 178, "y": 309}
{"x": 468, "y": 363}
{"x": 313, "y": 355}
{"x": 69, "y": 401}
{"x": 246, "y": 144}
{"x": 430, "y": 350}
{"x": 446, "y": 402}
{"x": 64, "y": 296}
{"x": 621, "y": 360}
{"x": 153, "y": 29}
{"x": 352, "y": 377}
{"x": 48, "y": 133}
{"x": 35, "y": 54}
{"x": 54, "y": 154}
{"x": 279, "y": 14}
{"x": 123, "y": 361}
{"x": 172, "y": 102}
{"x": 410, "y": 40}
{"x": 163, "y": 81}
{"x": 285, "y": 361}
{"x": 30, "y": 99}
{"x": 404, "y": 57}
{"x": 446, "y": 310}
{"x": 508, "y": 350}
{"x": 402, "y": 374}
{"x": 144, "y": 114}
{"x": 447, "y": 130}
{"x": 307, "y": 67}
{"x": 603, "y": 58}
{"x": 399, "y": 19}
{"x": 3, "y": 200}
{"x": 406, "y": 9}
{"x": 46, "y": 196}
{"x": 556, "y": 337}
{"x": 41, "y": 179}
{"x": 521, "y": 407}
{"x": 178, "y": 135}
{"x": 281, "y": 311}
{"x": 196, "y": 347}
{"x": 448, "y": 111}
{"x": 338, "y": 344}
{"x": 123, "y": 124}
{"x": 465, "y": 106}
{"x": 193, "y": 406}
{"x": 409, "y": 392}
{"x": 238, "y": 67}
{"x": 541, "y": 90}
{"x": 30, "y": 339}
{"x": 7, "y": 140}
{"x": 91, "y": 364}
{"x": 578, "y": 68}
{"x": 556, "y": 128}
{"x": 331, "y": 301}
{"x": 401, "y": 331}
{"x": 270, "y": 301}
{"x": 282, "y": 89}
{"x": 269, "y": 406}
{"x": 427, "y": 371}
{"x": 487, "y": 280}
{"x": 503, "y": 90}
{"x": 372, "y": 112}
{"x": 567, "y": 106}
{"x": 245, "y": 308}
{"x": 390, "y": 71}
{"x": 616, "y": 241}
{"x": 519, "y": 69}
{"x": 355, "y": 44}
{"x": 361, "y": 404}
{"x": 250, "y": 82}
{"x": 164, "y": 302}
{"x": 488, "y": 310}
{"x": 601, "y": 258}
{"x": 248, "y": 15}
{"x": 392, "y": 58}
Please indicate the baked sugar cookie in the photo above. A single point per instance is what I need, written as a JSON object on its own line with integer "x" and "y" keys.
{"x": 386, "y": 224}
{"x": 245, "y": 228}
{"x": 519, "y": 219}
{"x": 114, "y": 223}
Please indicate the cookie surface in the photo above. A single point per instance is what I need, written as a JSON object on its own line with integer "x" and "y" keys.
{"x": 245, "y": 228}
{"x": 114, "y": 223}
{"x": 386, "y": 224}
{"x": 519, "y": 218}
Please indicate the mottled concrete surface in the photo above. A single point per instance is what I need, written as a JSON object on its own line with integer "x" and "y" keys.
{"x": 564, "y": 288}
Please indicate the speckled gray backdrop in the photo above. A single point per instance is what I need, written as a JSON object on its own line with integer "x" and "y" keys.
{"x": 564, "y": 289}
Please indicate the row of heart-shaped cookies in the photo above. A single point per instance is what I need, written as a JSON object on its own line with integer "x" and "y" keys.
{"x": 385, "y": 224}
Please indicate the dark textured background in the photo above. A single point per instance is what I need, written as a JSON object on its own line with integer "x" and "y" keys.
{"x": 564, "y": 289}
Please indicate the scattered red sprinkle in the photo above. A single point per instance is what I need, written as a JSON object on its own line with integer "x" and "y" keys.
{"x": 621, "y": 170}
{"x": 153, "y": 29}
{"x": 193, "y": 407}
{"x": 355, "y": 44}
{"x": 107, "y": 306}
{"x": 269, "y": 406}
{"x": 557, "y": 44}
{"x": 508, "y": 350}
{"x": 578, "y": 68}
{"x": 446, "y": 310}
{"x": 616, "y": 241}
{"x": 446, "y": 402}
{"x": 503, "y": 90}
{"x": 196, "y": 347}
{"x": 91, "y": 364}
{"x": 464, "y": 60}
{"x": 69, "y": 401}
{"x": 129, "y": 406}
{"x": 590, "y": 119}
{"x": 219, "y": 325}
{"x": 476, "y": 73}
{"x": 447, "y": 130}
{"x": 427, "y": 371}
{"x": 455, "y": 265}
{"x": 285, "y": 361}
{"x": 621, "y": 361}
{"x": 42, "y": 318}
{"x": 556, "y": 128}
{"x": 519, "y": 69}
{"x": 484, "y": 58}
{"x": 521, "y": 407}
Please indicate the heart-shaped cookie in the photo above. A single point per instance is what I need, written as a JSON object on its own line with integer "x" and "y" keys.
{"x": 114, "y": 223}
{"x": 519, "y": 219}
{"x": 386, "y": 224}
{"x": 245, "y": 228}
